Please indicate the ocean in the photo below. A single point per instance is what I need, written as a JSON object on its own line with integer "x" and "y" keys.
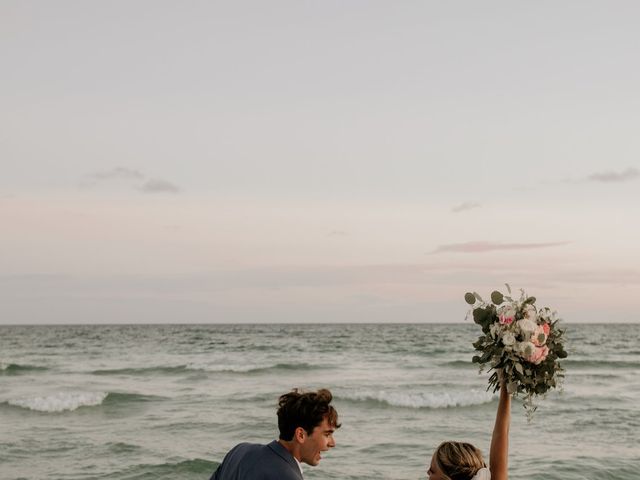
{"x": 138, "y": 402}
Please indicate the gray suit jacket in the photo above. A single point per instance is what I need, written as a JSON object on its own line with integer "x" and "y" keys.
{"x": 250, "y": 461}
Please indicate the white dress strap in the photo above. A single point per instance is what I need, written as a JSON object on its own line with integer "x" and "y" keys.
{"x": 482, "y": 474}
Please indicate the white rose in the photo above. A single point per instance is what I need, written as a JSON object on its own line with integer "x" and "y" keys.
{"x": 508, "y": 339}
{"x": 527, "y": 326}
{"x": 526, "y": 349}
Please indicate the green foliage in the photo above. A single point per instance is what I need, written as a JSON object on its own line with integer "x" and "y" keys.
{"x": 496, "y": 297}
{"x": 483, "y": 316}
{"x": 470, "y": 298}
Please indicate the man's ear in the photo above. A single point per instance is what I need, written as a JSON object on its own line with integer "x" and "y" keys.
{"x": 300, "y": 434}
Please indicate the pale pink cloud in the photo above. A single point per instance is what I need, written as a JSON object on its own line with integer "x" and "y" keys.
{"x": 481, "y": 247}
{"x": 465, "y": 206}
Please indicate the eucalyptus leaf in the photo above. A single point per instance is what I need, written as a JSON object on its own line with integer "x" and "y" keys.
{"x": 469, "y": 298}
{"x": 496, "y": 297}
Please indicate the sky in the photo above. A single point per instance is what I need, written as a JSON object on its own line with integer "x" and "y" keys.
{"x": 316, "y": 161}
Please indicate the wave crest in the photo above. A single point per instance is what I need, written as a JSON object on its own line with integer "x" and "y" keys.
{"x": 141, "y": 371}
{"x": 60, "y": 402}
{"x": 421, "y": 399}
{"x": 604, "y": 364}
{"x": 203, "y": 367}
{"x": 250, "y": 368}
{"x": 16, "y": 369}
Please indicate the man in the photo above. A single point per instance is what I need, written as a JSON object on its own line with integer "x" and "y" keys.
{"x": 306, "y": 422}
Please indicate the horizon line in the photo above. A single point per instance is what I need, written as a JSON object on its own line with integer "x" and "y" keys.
{"x": 278, "y": 323}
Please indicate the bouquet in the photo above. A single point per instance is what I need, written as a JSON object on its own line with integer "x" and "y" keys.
{"x": 522, "y": 341}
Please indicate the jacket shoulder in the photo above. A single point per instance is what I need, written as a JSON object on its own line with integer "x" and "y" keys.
{"x": 251, "y": 461}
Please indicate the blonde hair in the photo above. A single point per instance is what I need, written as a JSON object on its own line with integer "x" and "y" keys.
{"x": 458, "y": 460}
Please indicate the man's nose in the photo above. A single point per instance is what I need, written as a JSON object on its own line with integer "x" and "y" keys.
{"x": 332, "y": 442}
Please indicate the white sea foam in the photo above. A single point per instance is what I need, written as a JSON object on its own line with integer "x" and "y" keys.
{"x": 207, "y": 367}
{"x": 61, "y": 401}
{"x": 421, "y": 399}
{"x": 246, "y": 368}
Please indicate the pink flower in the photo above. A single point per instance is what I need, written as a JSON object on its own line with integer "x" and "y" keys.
{"x": 538, "y": 355}
{"x": 505, "y": 320}
{"x": 506, "y": 315}
{"x": 547, "y": 328}
{"x": 539, "y": 337}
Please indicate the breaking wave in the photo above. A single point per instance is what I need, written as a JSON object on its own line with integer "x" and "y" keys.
{"x": 420, "y": 400}
{"x": 604, "y": 364}
{"x": 69, "y": 401}
{"x": 17, "y": 369}
{"x": 60, "y": 402}
{"x": 204, "y": 367}
{"x": 251, "y": 368}
{"x": 142, "y": 371}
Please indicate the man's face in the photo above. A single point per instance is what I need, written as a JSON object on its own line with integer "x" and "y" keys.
{"x": 320, "y": 440}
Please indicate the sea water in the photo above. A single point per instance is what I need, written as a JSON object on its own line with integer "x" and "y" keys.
{"x": 168, "y": 401}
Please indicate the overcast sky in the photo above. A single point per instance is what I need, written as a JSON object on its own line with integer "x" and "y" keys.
{"x": 316, "y": 161}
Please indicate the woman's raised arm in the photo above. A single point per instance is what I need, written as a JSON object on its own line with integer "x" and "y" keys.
{"x": 499, "y": 454}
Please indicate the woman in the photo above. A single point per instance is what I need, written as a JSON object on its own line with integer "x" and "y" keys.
{"x": 463, "y": 461}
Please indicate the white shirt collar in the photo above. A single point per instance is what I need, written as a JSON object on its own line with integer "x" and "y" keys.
{"x": 299, "y": 465}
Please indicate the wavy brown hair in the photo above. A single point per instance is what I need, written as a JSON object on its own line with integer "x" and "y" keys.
{"x": 306, "y": 410}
